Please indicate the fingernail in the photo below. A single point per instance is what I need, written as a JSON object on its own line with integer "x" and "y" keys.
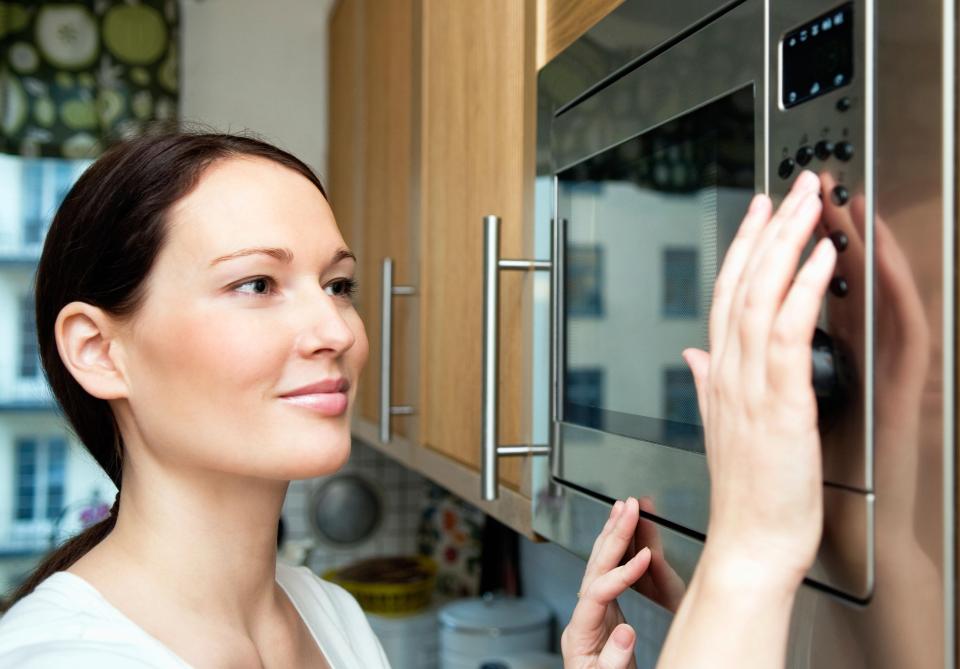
{"x": 616, "y": 509}
{"x": 623, "y": 637}
{"x": 808, "y": 179}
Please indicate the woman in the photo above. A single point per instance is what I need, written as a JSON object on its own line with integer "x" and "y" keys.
{"x": 195, "y": 322}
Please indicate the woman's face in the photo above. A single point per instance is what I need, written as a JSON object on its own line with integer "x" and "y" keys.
{"x": 250, "y": 300}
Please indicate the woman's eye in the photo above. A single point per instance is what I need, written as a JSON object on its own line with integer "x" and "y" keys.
{"x": 259, "y": 283}
{"x": 345, "y": 288}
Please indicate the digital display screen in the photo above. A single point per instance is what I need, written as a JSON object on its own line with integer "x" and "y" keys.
{"x": 817, "y": 57}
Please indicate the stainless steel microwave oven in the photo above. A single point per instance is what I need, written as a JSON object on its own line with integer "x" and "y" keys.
{"x": 654, "y": 131}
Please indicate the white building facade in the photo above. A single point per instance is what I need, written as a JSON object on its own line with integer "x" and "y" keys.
{"x": 49, "y": 485}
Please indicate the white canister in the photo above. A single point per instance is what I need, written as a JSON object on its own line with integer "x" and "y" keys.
{"x": 477, "y": 631}
{"x": 410, "y": 642}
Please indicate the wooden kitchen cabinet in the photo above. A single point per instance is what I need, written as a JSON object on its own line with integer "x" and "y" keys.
{"x": 432, "y": 127}
{"x": 370, "y": 178}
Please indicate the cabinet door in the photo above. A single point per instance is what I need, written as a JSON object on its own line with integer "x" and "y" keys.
{"x": 370, "y": 176}
{"x": 477, "y": 157}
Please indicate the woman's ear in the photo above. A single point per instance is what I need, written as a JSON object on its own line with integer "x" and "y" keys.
{"x": 84, "y": 335}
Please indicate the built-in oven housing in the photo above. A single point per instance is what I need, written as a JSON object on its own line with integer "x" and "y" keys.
{"x": 654, "y": 131}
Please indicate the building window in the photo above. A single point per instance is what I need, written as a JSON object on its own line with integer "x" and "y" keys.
{"x": 31, "y": 195}
{"x": 680, "y": 283}
{"x": 45, "y": 182}
{"x": 680, "y": 396}
{"x": 29, "y": 350}
{"x": 40, "y": 472}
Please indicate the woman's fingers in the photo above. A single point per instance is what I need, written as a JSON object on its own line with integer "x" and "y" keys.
{"x": 617, "y": 653}
{"x": 612, "y": 543}
{"x": 608, "y": 526}
{"x": 588, "y": 616}
{"x": 797, "y": 319}
{"x": 765, "y": 288}
{"x": 734, "y": 262}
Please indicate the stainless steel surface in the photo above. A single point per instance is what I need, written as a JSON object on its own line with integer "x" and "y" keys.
{"x": 489, "y": 472}
{"x": 541, "y": 449}
{"x": 387, "y": 292}
{"x": 345, "y": 510}
{"x": 882, "y": 593}
{"x": 489, "y": 449}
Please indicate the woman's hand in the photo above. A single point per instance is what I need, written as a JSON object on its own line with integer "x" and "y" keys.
{"x": 756, "y": 395}
{"x": 597, "y": 636}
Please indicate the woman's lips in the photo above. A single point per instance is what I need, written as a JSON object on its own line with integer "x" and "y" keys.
{"x": 326, "y": 404}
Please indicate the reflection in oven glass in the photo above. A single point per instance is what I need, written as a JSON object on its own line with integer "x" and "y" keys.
{"x": 646, "y": 225}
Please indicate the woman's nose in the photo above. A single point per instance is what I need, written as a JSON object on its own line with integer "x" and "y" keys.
{"x": 326, "y": 329}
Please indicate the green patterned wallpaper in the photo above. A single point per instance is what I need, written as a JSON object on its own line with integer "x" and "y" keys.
{"x": 75, "y": 75}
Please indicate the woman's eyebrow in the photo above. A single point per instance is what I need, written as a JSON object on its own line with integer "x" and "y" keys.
{"x": 282, "y": 254}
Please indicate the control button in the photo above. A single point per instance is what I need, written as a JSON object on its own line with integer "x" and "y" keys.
{"x": 804, "y": 154}
{"x": 840, "y": 195}
{"x": 839, "y": 286}
{"x": 824, "y": 149}
{"x": 840, "y": 241}
{"x": 843, "y": 151}
{"x": 844, "y": 104}
{"x": 786, "y": 168}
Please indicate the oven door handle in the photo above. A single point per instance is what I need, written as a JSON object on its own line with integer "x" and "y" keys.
{"x": 386, "y": 349}
{"x": 490, "y": 451}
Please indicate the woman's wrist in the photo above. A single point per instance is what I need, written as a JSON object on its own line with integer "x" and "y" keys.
{"x": 728, "y": 573}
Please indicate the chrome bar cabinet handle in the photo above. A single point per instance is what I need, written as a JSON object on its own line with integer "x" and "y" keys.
{"x": 490, "y": 451}
{"x": 386, "y": 350}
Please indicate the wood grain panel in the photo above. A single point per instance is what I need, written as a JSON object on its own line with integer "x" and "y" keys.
{"x": 561, "y": 22}
{"x": 477, "y": 71}
{"x": 345, "y": 162}
{"x": 385, "y": 137}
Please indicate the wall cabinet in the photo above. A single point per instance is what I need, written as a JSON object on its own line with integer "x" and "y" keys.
{"x": 432, "y": 113}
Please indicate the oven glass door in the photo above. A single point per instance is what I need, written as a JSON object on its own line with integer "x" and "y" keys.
{"x": 653, "y": 172}
{"x": 645, "y": 222}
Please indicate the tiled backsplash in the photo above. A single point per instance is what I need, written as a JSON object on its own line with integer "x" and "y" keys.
{"x": 402, "y": 492}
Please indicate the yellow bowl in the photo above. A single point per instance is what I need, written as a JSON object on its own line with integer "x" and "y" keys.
{"x": 390, "y": 598}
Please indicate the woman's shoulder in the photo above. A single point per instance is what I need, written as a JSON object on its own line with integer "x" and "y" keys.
{"x": 65, "y": 622}
{"x": 59, "y": 606}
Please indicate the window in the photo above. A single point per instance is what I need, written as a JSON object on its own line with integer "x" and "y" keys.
{"x": 680, "y": 396}
{"x": 44, "y": 184}
{"x": 680, "y": 283}
{"x": 31, "y": 195}
{"x": 29, "y": 350}
{"x": 40, "y": 472}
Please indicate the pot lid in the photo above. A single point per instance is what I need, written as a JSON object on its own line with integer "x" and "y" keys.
{"x": 493, "y": 615}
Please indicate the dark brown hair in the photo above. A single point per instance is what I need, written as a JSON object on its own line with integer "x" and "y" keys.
{"x": 101, "y": 246}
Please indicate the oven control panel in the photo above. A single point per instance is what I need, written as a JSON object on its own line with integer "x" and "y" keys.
{"x": 819, "y": 109}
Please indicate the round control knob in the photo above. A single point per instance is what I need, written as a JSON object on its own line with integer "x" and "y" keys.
{"x": 844, "y": 104}
{"x": 840, "y": 241}
{"x": 825, "y": 378}
{"x": 840, "y": 195}
{"x": 786, "y": 168}
{"x": 839, "y": 286}
{"x": 830, "y": 381}
{"x": 804, "y": 154}
{"x": 824, "y": 149}
{"x": 843, "y": 151}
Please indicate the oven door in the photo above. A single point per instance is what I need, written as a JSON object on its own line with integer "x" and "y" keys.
{"x": 652, "y": 176}
{"x": 651, "y": 173}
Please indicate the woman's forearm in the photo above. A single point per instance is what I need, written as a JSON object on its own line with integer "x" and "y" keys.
{"x": 733, "y": 615}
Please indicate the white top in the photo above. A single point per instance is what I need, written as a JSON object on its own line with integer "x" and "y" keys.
{"x": 66, "y": 622}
